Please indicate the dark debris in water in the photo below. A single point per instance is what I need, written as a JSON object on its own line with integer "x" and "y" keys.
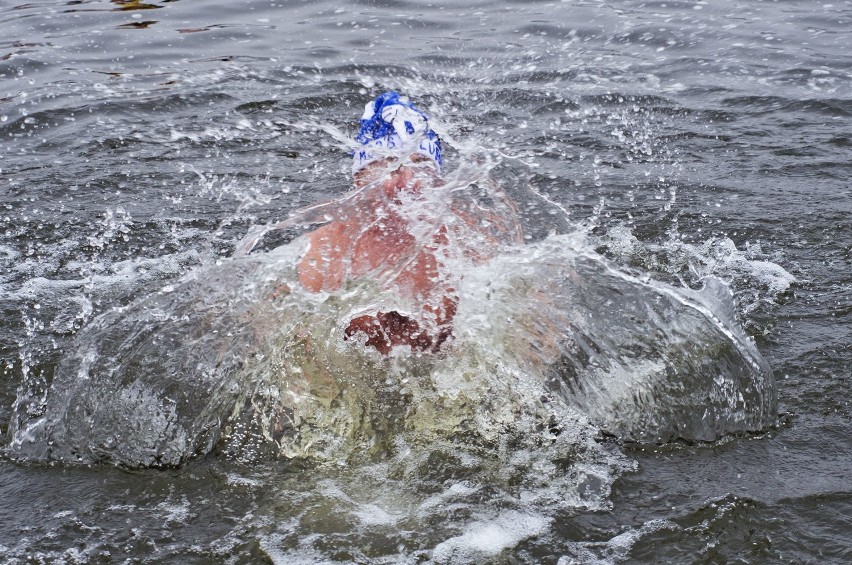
{"x": 137, "y": 25}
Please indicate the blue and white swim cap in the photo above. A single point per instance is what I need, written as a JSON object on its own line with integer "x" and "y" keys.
{"x": 391, "y": 126}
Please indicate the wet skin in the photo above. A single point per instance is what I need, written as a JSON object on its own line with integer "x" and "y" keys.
{"x": 372, "y": 238}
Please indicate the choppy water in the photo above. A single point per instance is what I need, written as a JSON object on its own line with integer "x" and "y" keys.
{"x": 663, "y": 143}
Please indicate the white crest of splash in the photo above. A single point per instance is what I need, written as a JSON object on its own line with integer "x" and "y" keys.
{"x": 482, "y": 540}
{"x": 714, "y": 257}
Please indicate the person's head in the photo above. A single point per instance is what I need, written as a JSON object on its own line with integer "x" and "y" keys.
{"x": 396, "y": 142}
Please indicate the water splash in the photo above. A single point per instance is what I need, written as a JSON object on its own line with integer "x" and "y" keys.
{"x": 752, "y": 275}
{"x": 554, "y": 350}
{"x": 238, "y": 358}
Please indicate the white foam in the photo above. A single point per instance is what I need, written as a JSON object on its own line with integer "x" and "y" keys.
{"x": 715, "y": 257}
{"x": 454, "y": 492}
{"x": 373, "y": 515}
{"x": 174, "y": 513}
{"x": 487, "y": 539}
{"x": 239, "y": 480}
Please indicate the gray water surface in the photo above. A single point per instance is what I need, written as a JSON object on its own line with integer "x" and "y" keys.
{"x": 139, "y": 141}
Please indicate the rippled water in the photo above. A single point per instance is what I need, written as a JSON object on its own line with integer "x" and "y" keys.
{"x": 667, "y": 142}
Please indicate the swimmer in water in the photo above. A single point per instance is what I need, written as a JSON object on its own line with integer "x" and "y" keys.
{"x": 400, "y": 157}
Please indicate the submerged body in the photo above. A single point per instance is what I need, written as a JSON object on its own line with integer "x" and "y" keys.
{"x": 373, "y": 239}
{"x": 391, "y": 236}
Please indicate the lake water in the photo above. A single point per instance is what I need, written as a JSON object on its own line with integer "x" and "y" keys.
{"x": 667, "y": 144}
